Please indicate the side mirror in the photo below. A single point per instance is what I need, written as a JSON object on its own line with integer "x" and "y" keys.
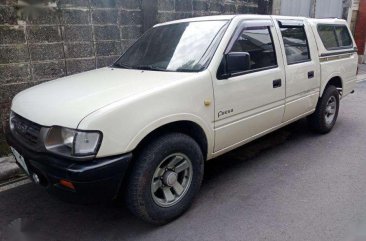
{"x": 237, "y": 62}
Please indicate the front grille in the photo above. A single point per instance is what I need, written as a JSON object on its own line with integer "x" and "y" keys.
{"x": 27, "y": 131}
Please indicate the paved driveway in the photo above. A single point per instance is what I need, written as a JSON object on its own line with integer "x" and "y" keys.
{"x": 289, "y": 185}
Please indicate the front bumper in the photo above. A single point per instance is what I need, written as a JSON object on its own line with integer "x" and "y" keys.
{"x": 94, "y": 180}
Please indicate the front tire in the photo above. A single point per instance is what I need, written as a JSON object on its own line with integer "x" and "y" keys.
{"x": 326, "y": 113}
{"x": 165, "y": 178}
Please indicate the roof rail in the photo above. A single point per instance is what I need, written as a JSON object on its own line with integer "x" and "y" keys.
{"x": 329, "y": 18}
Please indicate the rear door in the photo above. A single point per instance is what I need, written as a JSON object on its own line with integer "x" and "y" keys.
{"x": 301, "y": 65}
{"x": 250, "y": 102}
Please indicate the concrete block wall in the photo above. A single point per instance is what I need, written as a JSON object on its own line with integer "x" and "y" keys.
{"x": 56, "y": 38}
{"x": 177, "y": 9}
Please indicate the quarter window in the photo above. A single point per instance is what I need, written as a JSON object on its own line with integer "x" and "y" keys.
{"x": 343, "y": 36}
{"x": 335, "y": 36}
{"x": 258, "y": 43}
{"x": 296, "y": 44}
{"x": 328, "y": 36}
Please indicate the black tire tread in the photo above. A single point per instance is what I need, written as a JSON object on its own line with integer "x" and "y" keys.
{"x": 316, "y": 120}
{"x": 134, "y": 197}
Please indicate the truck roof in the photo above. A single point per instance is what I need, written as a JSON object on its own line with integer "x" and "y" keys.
{"x": 204, "y": 18}
{"x": 251, "y": 16}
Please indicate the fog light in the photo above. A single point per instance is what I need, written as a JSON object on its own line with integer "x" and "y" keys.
{"x": 67, "y": 184}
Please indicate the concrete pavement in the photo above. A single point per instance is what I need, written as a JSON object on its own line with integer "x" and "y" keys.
{"x": 8, "y": 168}
{"x": 290, "y": 185}
{"x": 361, "y": 72}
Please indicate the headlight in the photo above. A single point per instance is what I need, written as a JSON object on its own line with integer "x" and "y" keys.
{"x": 72, "y": 143}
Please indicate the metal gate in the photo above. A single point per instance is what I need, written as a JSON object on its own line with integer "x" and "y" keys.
{"x": 329, "y": 9}
{"x": 296, "y": 7}
{"x": 312, "y": 8}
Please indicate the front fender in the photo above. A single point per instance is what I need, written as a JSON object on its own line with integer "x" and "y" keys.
{"x": 125, "y": 123}
{"x": 171, "y": 119}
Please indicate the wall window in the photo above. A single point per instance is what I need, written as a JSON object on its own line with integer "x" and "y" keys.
{"x": 335, "y": 36}
{"x": 296, "y": 44}
{"x": 257, "y": 41}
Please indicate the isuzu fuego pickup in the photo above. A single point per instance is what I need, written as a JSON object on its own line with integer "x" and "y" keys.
{"x": 185, "y": 92}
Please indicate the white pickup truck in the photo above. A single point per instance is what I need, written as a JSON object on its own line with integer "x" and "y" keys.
{"x": 187, "y": 91}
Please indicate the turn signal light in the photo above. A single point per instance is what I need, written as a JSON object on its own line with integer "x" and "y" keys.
{"x": 67, "y": 184}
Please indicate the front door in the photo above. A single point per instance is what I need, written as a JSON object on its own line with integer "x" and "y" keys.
{"x": 250, "y": 102}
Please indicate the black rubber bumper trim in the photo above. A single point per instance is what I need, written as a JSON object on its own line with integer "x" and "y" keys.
{"x": 97, "y": 179}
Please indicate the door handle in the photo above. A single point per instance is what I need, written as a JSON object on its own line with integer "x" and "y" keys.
{"x": 277, "y": 83}
{"x": 310, "y": 74}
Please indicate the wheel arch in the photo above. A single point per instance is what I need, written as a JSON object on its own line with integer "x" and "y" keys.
{"x": 191, "y": 128}
{"x": 336, "y": 81}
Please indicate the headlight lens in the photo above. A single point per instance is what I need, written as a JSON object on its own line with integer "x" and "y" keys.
{"x": 67, "y": 136}
{"x": 74, "y": 143}
{"x": 86, "y": 143}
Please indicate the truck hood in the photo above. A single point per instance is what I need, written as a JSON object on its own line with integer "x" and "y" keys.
{"x": 66, "y": 101}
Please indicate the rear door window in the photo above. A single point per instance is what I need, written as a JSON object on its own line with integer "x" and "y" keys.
{"x": 296, "y": 44}
{"x": 335, "y": 36}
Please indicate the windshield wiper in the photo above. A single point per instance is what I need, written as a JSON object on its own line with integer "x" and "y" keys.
{"x": 149, "y": 67}
{"x": 189, "y": 70}
{"x": 123, "y": 66}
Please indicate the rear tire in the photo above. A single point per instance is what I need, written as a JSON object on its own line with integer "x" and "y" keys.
{"x": 165, "y": 178}
{"x": 326, "y": 113}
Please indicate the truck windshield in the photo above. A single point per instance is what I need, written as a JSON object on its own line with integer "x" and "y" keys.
{"x": 181, "y": 47}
